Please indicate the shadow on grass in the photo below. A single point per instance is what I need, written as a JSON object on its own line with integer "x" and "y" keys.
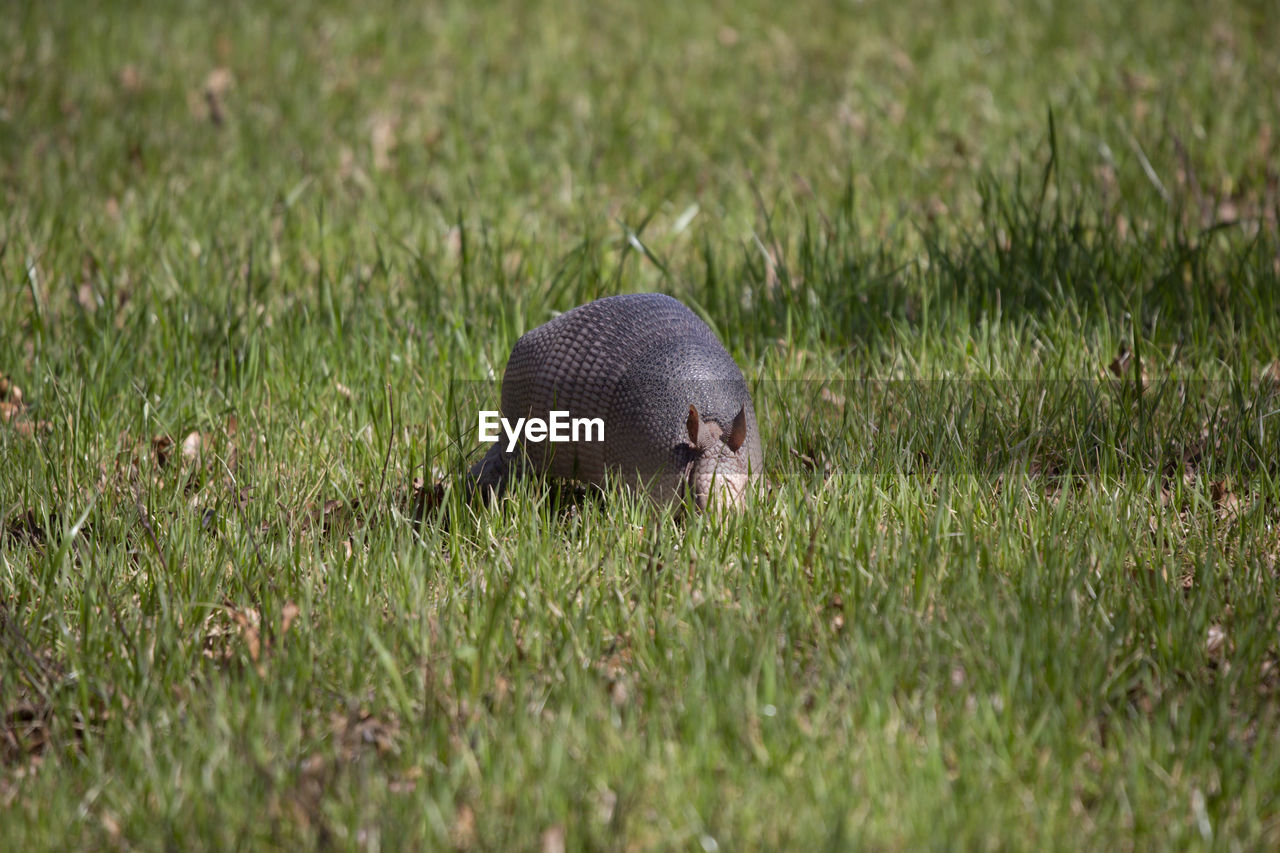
{"x": 1027, "y": 258}
{"x": 1107, "y": 426}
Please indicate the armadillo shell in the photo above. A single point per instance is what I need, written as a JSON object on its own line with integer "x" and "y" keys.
{"x": 638, "y": 361}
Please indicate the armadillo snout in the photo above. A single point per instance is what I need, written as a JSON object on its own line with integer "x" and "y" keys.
{"x": 719, "y": 481}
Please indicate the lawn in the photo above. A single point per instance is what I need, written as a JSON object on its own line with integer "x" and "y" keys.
{"x": 1004, "y": 279}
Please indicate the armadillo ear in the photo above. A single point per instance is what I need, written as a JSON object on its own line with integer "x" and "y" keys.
{"x": 693, "y": 424}
{"x": 737, "y": 432}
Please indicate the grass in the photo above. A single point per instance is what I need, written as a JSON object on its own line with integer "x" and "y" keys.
{"x": 1005, "y": 281}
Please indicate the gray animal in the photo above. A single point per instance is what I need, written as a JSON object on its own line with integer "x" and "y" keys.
{"x": 676, "y": 412}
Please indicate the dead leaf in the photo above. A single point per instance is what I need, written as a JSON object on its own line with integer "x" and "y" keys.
{"x": 1271, "y": 377}
{"x": 219, "y": 81}
{"x": 9, "y": 392}
{"x": 227, "y": 623}
{"x": 24, "y": 733}
{"x": 453, "y": 242}
{"x": 130, "y": 79}
{"x": 1137, "y": 81}
{"x": 13, "y": 410}
{"x": 288, "y": 613}
{"x": 87, "y": 297}
{"x": 248, "y": 620}
{"x": 342, "y": 389}
{"x": 349, "y": 169}
{"x": 357, "y": 731}
{"x": 1269, "y": 675}
{"x": 28, "y": 429}
{"x": 464, "y": 827}
{"x": 1262, "y": 145}
{"x": 1225, "y": 501}
{"x": 1216, "y": 642}
{"x": 161, "y": 449}
{"x": 806, "y": 460}
{"x": 836, "y": 608}
{"x": 501, "y": 691}
{"x": 191, "y": 446}
{"x": 606, "y": 805}
{"x": 770, "y": 271}
{"x": 330, "y": 507}
{"x": 216, "y": 86}
{"x": 553, "y": 839}
{"x": 382, "y": 141}
{"x": 405, "y": 783}
{"x": 1122, "y": 366}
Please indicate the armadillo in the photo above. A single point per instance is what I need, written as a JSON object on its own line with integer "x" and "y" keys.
{"x": 677, "y": 414}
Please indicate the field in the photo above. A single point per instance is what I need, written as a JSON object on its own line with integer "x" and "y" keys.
{"x": 1004, "y": 278}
